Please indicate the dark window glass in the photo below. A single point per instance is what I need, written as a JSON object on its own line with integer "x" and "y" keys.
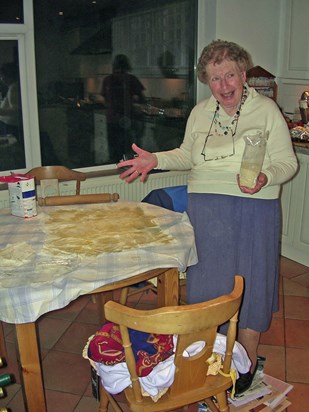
{"x": 11, "y": 11}
{"x": 111, "y": 73}
{"x": 12, "y": 155}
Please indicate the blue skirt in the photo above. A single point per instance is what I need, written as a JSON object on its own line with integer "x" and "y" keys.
{"x": 236, "y": 235}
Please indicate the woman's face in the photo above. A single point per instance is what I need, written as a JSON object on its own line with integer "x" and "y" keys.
{"x": 225, "y": 81}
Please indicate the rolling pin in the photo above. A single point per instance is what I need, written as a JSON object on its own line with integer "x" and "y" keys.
{"x": 78, "y": 199}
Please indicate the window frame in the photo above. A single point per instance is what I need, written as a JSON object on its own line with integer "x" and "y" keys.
{"x": 23, "y": 34}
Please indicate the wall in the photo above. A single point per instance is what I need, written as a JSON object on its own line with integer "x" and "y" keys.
{"x": 257, "y": 25}
{"x": 252, "y": 24}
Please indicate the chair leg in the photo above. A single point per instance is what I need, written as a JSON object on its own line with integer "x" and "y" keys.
{"x": 103, "y": 400}
{"x": 123, "y": 296}
{"x": 211, "y": 405}
{"x": 222, "y": 402}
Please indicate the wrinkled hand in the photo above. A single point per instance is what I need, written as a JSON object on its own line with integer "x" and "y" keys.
{"x": 140, "y": 166}
{"x": 260, "y": 182}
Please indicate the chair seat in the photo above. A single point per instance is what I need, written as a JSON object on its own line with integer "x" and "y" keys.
{"x": 215, "y": 384}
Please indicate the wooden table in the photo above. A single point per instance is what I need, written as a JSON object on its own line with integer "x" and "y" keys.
{"x": 22, "y": 303}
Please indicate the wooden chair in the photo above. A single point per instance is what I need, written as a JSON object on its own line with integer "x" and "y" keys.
{"x": 44, "y": 174}
{"x": 192, "y": 323}
{"x": 50, "y": 176}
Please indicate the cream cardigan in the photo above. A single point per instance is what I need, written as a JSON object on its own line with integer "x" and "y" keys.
{"x": 220, "y": 176}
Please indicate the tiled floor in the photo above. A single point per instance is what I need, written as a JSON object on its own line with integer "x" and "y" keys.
{"x": 64, "y": 333}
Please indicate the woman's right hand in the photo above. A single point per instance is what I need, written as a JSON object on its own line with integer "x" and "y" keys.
{"x": 140, "y": 166}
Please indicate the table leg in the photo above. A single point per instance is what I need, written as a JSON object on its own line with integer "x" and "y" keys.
{"x": 103, "y": 298}
{"x": 2, "y": 342}
{"x": 168, "y": 288}
{"x": 31, "y": 372}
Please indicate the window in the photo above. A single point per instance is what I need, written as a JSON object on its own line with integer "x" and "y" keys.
{"x": 88, "y": 118}
{"x": 11, "y": 125}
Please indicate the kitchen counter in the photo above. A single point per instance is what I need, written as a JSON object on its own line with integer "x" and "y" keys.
{"x": 301, "y": 147}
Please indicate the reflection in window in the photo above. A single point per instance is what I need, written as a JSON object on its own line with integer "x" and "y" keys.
{"x": 11, "y": 11}
{"x": 11, "y": 126}
{"x": 91, "y": 112}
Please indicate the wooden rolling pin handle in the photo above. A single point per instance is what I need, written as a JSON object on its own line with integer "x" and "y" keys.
{"x": 78, "y": 199}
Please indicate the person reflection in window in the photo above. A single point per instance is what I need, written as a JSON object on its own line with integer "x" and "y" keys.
{"x": 10, "y": 105}
{"x": 123, "y": 93}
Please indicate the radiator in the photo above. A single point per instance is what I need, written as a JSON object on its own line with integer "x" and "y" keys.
{"x": 134, "y": 191}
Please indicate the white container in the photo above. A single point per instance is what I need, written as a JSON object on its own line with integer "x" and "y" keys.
{"x": 22, "y": 195}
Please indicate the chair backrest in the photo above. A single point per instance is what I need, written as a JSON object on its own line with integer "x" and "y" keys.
{"x": 192, "y": 323}
{"x": 58, "y": 173}
{"x": 173, "y": 198}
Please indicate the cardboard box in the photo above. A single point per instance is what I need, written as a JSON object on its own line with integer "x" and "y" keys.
{"x": 22, "y": 195}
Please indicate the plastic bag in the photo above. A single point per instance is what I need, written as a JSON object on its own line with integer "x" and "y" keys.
{"x": 253, "y": 157}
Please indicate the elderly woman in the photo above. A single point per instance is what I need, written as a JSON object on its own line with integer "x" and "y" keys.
{"x": 237, "y": 228}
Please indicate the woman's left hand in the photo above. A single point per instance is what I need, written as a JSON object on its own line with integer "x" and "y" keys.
{"x": 260, "y": 182}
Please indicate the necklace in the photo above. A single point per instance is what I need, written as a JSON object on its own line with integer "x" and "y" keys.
{"x": 224, "y": 130}
{"x": 232, "y": 127}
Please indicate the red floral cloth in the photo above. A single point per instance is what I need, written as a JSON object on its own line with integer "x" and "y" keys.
{"x": 149, "y": 349}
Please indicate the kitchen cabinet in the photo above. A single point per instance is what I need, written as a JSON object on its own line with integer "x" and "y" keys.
{"x": 80, "y": 136}
{"x": 162, "y": 133}
{"x": 101, "y": 154}
{"x": 149, "y": 138}
{"x": 294, "y": 45}
{"x": 54, "y": 123}
{"x": 155, "y": 40}
{"x": 295, "y": 214}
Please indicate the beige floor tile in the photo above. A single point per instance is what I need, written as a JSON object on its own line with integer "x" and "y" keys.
{"x": 75, "y": 337}
{"x": 293, "y": 288}
{"x": 66, "y": 372}
{"x": 90, "y": 313}
{"x": 71, "y": 311}
{"x": 88, "y": 391}
{"x": 87, "y": 404}
{"x": 50, "y": 331}
{"x": 12, "y": 364}
{"x": 303, "y": 279}
{"x": 280, "y": 313}
{"x": 299, "y": 396}
{"x": 11, "y": 391}
{"x": 8, "y": 328}
{"x": 60, "y": 401}
{"x": 17, "y": 403}
{"x": 290, "y": 269}
{"x": 297, "y": 361}
{"x": 297, "y": 333}
{"x": 275, "y": 334}
{"x": 296, "y": 307}
{"x": 275, "y": 360}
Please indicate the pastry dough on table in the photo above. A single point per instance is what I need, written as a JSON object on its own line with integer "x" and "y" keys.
{"x": 98, "y": 230}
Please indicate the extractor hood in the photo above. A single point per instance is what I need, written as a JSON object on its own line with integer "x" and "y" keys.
{"x": 98, "y": 43}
